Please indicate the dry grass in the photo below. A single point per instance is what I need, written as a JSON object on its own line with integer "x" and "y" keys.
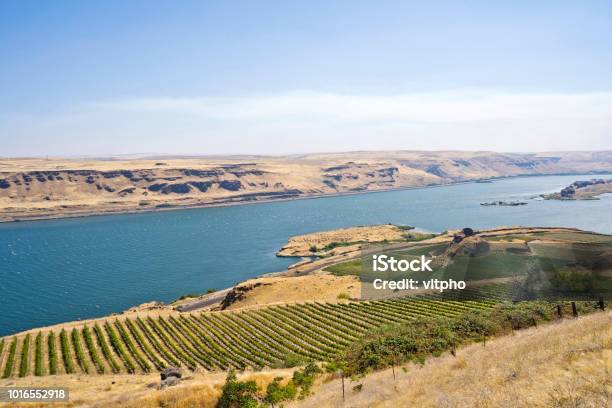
{"x": 301, "y": 245}
{"x": 563, "y": 365}
{"x": 191, "y": 396}
{"x": 312, "y": 174}
{"x": 197, "y": 390}
{"x": 320, "y": 288}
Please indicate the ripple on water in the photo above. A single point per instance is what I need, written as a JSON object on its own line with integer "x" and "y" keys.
{"x": 59, "y": 270}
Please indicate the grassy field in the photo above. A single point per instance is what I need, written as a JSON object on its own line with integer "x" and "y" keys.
{"x": 354, "y": 267}
{"x": 346, "y": 268}
{"x": 503, "y": 256}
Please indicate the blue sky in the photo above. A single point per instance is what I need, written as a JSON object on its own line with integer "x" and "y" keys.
{"x": 214, "y": 77}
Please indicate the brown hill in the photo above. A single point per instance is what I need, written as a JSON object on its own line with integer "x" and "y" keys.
{"x": 38, "y": 188}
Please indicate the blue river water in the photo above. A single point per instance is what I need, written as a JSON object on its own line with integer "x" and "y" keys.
{"x": 60, "y": 270}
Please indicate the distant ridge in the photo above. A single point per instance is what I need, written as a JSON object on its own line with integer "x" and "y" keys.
{"x": 54, "y": 187}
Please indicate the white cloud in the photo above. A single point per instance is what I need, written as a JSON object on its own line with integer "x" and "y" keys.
{"x": 452, "y": 106}
{"x": 307, "y": 121}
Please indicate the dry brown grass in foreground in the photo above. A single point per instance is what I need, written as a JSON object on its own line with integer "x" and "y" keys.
{"x": 566, "y": 364}
{"x": 197, "y": 390}
{"x": 202, "y": 395}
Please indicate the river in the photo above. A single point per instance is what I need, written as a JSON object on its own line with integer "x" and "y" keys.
{"x": 60, "y": 270}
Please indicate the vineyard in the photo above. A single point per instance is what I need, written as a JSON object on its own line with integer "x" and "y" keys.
{"x": 265, "y": 337}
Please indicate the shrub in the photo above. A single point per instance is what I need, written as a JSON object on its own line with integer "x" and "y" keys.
{"x": 394, "y": 344}
{"x": 277, "y": 393}
{"x": 475, "y": 324}
{"x": 333, "y": 245}
{"x": 344, "y": 296}
{"x": 522, "y": 315}
{"x": 293, "y": 360}
{"x": 305, "y": 378}
{"x": 468, "y": 232}
{"x": 238, "y": 394}
{"x": 423, "y": 337}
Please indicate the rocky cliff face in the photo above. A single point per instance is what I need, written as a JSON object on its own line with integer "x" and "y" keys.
{"x": 32, "y": 188}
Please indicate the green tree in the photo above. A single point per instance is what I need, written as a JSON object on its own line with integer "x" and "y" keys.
{"x": 277, "y": 393}
{"x": 238, "y": 394}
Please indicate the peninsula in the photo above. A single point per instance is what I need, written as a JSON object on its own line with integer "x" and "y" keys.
{"x": 267, "y": 326}
{"x": 582, "y": 190}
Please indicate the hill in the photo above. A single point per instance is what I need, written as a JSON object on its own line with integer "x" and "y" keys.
{"x": 565, "y": 364}
{"x": 43, "y": 188}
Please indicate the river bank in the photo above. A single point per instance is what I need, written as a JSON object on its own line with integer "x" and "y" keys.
{"x": 310, "y": 281}
{"x": 117, "y": 261}
{"x": 9, "y": 217}
{"x": 34, "y": 189}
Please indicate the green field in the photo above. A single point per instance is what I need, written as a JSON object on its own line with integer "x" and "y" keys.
{"x": 551, "y": 252}
{"x": 267, "y": 337}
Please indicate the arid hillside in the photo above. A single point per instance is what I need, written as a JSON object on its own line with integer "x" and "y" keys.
{"x": 563, "y": 364}
{"x": 41, "y": 188}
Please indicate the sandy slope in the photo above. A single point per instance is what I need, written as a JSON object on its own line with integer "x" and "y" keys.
{"x": 39, "y": 188}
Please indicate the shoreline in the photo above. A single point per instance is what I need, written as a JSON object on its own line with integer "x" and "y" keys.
{"x": 228, "y": 202}
{"x": 200, "y": 303}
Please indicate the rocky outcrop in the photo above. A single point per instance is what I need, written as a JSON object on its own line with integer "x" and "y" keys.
{"x": 170, "y": 372}
{"x": 582, "y": 190}
{"x": 504, "y": 203}
{"x": 238, "y": 293}
{"x": 470, "y": 246}
{"x": 170, "y": 376}
{"x": 203, "y": 186}
{"x": 230, "y": 185}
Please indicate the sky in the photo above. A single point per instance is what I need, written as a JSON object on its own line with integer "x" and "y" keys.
{"x": 82, "y": 78}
